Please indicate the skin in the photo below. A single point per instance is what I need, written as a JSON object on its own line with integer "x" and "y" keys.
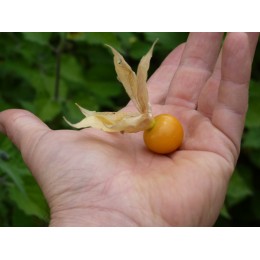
{"x": 92, "y": 178}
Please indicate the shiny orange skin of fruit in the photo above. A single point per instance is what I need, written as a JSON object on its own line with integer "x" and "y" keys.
{"x": 165, "y": 136}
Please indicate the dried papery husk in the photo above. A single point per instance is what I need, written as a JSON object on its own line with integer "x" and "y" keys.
{"x": 113, "y": 121}
{"x": 136, "y": 88}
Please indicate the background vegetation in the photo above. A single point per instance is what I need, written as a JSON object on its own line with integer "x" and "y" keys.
{"x": 47, "y": 72}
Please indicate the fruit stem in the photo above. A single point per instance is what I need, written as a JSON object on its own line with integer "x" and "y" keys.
{"x": 152, "y": 123}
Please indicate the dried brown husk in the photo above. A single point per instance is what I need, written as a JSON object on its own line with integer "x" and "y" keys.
{"x": 136, "y": 88}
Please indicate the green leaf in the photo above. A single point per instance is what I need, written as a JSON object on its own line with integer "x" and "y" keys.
{"x": 41, "y": 38}
{"x": 47, "y": 109}
{"x": 31, "y": 54}
{"x": 4, "y": 155}
{"x": 102, "y": 38}
{"x": 254, "y": 156}
{"x": 20, "y": 219}
{"x": 42, "y": 83}
{"x": 76, "y": 36}
{"x": 101, "y": 72}
{"x": 4, "y": 214}
{"x": 139, "y": 49}
{"x": 28, "y": 106}
{"x": 255, "y": 204}
{"x": 20, "y": 186}
{"x": 168, "y": 40}
{"x": 96, "y": 38}
{"x": 71, "y": 69}
{"x": 72, "y": 112}
{"x": 224, "y": 212}
{"x": 3, "y": 104}
{"x": 32, "y": 201}
{"x": 238, "y": 189}
{"x": 48, "y": 83}
{"x": 18, "y": 68}
{"x": 251, "y": 138}
{"x": 253, "y": 118}
{"x": 104, "y": 89}
{"x": 99, "y": 55}
{"x": 127, "y": 38}
{"x": 12, "y": 172}
{"x": 103, "y": 92}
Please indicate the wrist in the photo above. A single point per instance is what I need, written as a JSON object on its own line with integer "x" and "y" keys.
{"x": 90, "y": 218}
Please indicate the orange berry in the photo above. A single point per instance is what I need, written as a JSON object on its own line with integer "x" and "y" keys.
{"x": 165, "y": 136}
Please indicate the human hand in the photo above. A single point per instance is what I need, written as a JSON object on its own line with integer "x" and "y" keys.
{"x": 93, "y": 178}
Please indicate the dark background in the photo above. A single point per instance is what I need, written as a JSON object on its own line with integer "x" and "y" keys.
{"x": 46, "y": 73}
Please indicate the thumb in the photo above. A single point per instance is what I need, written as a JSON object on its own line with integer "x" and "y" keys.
{"x": 23, "y": 128}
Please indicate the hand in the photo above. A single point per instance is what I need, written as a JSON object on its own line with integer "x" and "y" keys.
{"x": 92, "y": 178}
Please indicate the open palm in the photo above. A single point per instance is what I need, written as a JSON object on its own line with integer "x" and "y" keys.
{"x": 94, "y": 178}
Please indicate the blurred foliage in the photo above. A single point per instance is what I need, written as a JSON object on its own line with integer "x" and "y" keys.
{"x": 46, "y": 73}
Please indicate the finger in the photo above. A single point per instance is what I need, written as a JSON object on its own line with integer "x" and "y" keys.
{"x": 196, "y": 65}
{"x": 160, "y": 81}
{"x": 229, "y": 113}
{"x": 209, "y": 94}
{"x": 23, "y": 128}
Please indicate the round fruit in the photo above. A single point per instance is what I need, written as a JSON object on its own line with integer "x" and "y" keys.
{"x": 165, "y": 136}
